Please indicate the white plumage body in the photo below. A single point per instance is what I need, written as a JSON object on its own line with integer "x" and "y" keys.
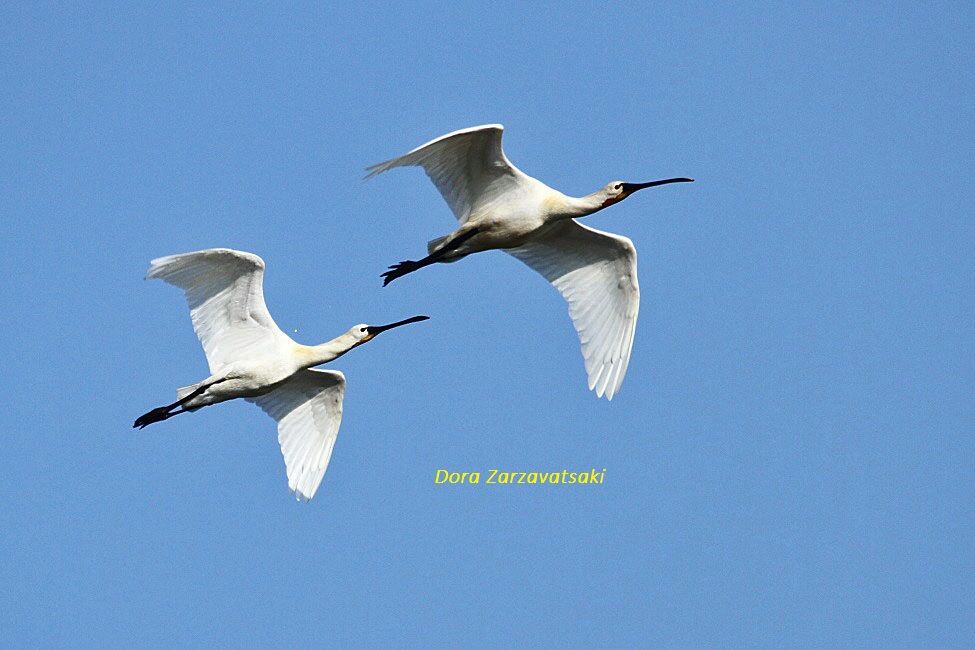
{"x": 252, "y": 378}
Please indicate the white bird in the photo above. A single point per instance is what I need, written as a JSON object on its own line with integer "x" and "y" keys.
{"x": 500, "y": 207}
{"x": 250, "y": 357}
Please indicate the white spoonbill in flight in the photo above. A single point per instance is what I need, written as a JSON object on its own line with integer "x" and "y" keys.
{"x": 250, "y": 357}
{"x": 499, "y": 206}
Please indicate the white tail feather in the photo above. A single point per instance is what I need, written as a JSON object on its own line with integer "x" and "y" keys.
{"x": 434, "y": 243}
{"x": 185, "y": 390}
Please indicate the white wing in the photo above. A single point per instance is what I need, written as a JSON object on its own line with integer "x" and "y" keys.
{"x": 224, "y": 289}
{"x": 595, "y": 272}
{"x": 308, "y": 410}
{"x": 467, "y": 166}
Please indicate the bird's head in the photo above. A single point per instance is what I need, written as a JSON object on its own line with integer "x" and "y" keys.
{"x": 363, "y": 333}
{"x": 616, "y": 191}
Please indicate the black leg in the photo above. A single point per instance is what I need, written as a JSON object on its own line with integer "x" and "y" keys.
{"x": 403, "y": 268}
{"x": 166, "y": 412}
{"x": 155, "y": 415}
{"x": 408, "y": 266}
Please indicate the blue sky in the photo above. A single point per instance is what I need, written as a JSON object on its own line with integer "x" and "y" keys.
{"x": 790, "y": 461}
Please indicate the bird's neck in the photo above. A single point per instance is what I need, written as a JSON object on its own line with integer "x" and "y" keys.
{"x": 582, "y": 206}
{"x": 313, "y": 355}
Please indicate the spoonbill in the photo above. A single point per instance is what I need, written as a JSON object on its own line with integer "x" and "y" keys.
{"x": 500, "y": 207}
{"x": 250, "y": 357}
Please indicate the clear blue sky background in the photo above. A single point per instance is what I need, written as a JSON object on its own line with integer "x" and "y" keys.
{"x": 790, "y": 461}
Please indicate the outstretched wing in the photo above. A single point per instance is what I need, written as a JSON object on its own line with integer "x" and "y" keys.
{"x": 595, "y": 272}
{"x": 467, "y": 166}
{"x": 224, "y": 290}
{"x": 308, "y": 410}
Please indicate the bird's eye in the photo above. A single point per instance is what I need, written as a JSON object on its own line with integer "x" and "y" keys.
{"x": 363, "y": 329}
{"x": 618, "y": 186}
